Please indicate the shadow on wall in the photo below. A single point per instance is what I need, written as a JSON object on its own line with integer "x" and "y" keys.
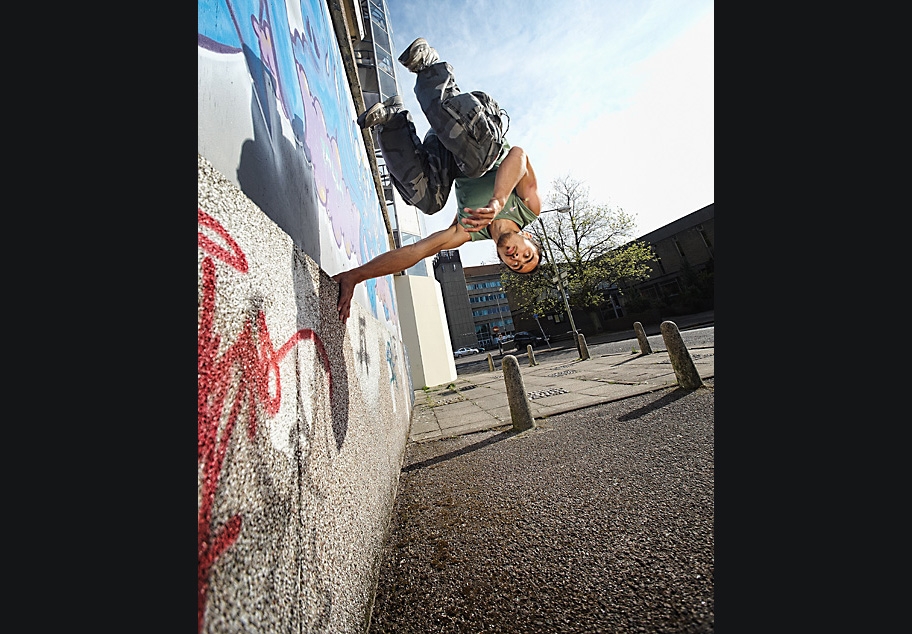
{"x": 273, "y": 173}
{"x": 333, "y": 334}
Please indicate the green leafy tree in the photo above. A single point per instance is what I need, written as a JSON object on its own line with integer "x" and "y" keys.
{"x": 590, "y": 244}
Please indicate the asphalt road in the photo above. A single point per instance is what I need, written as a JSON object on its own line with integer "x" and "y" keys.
{"x": 600, "y": 520}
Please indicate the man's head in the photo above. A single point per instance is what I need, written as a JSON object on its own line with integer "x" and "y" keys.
{"x": 520, "y": 251}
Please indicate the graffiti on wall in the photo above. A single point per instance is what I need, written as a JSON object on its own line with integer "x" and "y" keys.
{"x": 241, "y": 383}
{"x": 306, "y": 166}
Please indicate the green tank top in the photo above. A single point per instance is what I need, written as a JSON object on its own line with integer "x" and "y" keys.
{"x": 476, "y": 192}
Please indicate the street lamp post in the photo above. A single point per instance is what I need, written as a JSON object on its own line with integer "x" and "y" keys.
{"x": 560, "y": 284}
{"x": 498, "y": 322}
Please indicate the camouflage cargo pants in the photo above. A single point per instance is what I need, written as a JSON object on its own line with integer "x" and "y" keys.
{"x": 465, "y": 139}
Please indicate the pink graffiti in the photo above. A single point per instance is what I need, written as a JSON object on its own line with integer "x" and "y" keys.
{"x": 332, "y": 191}
{"x": 246, "y": 369}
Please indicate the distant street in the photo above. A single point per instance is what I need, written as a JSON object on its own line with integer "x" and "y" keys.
{"x": 695, "y": 338}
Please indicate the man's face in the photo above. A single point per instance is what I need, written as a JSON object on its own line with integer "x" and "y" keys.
{"x": 517, "y": 252}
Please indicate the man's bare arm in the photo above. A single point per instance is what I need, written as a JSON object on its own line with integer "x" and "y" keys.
{"x": 515, "y": 172}
{"x": 396, "y": 260}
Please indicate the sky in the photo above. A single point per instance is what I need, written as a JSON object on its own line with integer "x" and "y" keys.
{"x": 617, "y": 94}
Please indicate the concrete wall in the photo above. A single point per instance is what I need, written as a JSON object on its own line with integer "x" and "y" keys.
{"x": 302, "y": 425}
{"x": 276, "y": 117}
{"x": 428, "y": 342}
{"x": 302, "y": 421}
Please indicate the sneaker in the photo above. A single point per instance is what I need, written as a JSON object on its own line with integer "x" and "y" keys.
{"x": 418, "y": 56}
{"x": 380, "y": 112}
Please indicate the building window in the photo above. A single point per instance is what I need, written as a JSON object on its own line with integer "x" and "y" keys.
{"x": 661, "y": 266}
{"x": 671, "y": 289}
{"x": 678, "y": 247}
{"x": 706, "y": 242}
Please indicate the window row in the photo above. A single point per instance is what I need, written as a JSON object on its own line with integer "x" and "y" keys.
{"x": 491, "y": 311}
{"x": 477, "y": 285}
{"x": 496, "y": 297}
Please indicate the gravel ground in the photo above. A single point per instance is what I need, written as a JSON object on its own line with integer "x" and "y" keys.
{"x": 600, "y": 520}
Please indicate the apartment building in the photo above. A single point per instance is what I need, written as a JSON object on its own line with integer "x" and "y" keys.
{"x": 488, "y": 301}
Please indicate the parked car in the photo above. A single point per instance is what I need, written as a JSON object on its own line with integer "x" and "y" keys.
{"x": 524, "y": 338}
{"x": 463, "y": 352}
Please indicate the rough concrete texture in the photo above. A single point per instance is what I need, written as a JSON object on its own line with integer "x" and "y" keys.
{"x": 645, "y": 348}
{"x": 302, "y": 426}
{"x": 520, "y": 409}
{"x": 531, "y": 354}
{"x": 683, "y": 364}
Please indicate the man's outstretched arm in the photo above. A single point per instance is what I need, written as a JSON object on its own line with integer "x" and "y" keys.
{"x": 396, "y": 260}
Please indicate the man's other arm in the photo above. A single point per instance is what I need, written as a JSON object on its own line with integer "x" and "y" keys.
{"x": 396, "y": 260}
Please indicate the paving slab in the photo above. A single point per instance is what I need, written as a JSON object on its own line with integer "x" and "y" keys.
{"x": 557, "y": 384}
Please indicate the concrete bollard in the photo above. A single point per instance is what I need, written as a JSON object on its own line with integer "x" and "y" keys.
{"x": 531, "y": 355}
{"x": 490, "y": 363}
{"x": 583, "y": 348}
{"x": 645, "y": 348}
{"x": 520, "y": 407}
{"x": 681, "y": 361}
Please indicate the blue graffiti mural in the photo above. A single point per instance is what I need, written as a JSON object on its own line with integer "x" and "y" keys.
{"x": 308, "y": 156}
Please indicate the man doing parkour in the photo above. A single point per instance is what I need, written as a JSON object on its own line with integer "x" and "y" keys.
{"x": 496, "y": 190}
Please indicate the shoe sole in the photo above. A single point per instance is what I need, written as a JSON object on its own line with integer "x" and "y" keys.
{"x": 406, "y": 55}
{"x": 411, "y": 58}
{"x": 363, "y": 118}
{"x": 393, "y": 102}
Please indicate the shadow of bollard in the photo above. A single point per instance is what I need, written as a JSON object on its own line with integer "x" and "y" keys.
{"x": 531, "y": 355}
{"x": 645, "y": 348}
{"x": 520, "y": 407}
{"x": 681, "y": 361}
{"x": 583, "y": 348}
{"x": 490, "y": 363}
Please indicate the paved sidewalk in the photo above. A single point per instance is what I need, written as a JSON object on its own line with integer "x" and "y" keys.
{"x": 559, "y": 382}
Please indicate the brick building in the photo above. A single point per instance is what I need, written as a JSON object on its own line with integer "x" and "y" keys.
{"x": 682, "y": 247}
{"x": 488, "y": 301}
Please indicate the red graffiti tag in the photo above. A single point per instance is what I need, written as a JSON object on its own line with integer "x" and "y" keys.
{"x": 245, "y": 370}
{"x": 231, "y": 255}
